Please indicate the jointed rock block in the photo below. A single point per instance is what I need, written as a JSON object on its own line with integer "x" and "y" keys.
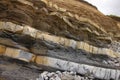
{"x": 80, "y": 45}
{"x": 41, "y": 60}
{"x": 50, "y": 38}
{"x": 62, "y": 41}
{"x": 91, "y": 49}
{"x": 9, "y": 26}
{"x": 87, "y": 47}
{"x": 18, "y": 29}
{"x": 100, "y": 51}
{"x": 95, "y": 50}
{"x": 40, "y": 35}
{"x": 73, "y": 44}
{"x": 109, "y": 53}
{"x": 2, "y": 49}
{"x": 2, "y": 25}
{"x": 30, "y": 31}
{"x": 67, "y": 42}
{"x": 19, "y": 54}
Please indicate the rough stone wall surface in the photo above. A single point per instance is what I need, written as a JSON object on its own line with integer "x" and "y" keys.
{"x": 67, "y": 36}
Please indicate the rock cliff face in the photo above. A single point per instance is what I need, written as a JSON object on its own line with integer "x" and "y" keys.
{"x": 66, "y": 35}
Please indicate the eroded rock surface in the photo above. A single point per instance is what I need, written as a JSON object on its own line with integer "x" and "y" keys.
{"x": 67, "y": 36}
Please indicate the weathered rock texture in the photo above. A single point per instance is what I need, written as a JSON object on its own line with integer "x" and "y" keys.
{"x": 72, "y": 36}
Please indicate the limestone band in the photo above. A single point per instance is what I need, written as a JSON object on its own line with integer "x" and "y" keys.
{"x": 37, "y": 34}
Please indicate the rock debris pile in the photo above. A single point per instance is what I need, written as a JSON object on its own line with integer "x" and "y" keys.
{"x": 58, "y": 75}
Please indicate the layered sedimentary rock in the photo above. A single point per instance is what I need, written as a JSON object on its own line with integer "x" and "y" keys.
{"x": 118, "y": 23}
{"x": 72, "y": 36}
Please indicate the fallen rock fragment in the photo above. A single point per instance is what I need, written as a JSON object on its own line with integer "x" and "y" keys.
{"x": 61, "y": 76}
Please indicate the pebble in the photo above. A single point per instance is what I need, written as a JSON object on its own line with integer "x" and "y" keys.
{"x": 105, "y": 62}
{"x": 73, "y": 73}
{"x": 117, "y": 64}
{"x": 44, "y": 74}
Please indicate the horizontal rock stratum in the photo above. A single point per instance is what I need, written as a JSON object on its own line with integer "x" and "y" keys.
{"x": 68, "y": 36}
{"x": 97, "y": 72}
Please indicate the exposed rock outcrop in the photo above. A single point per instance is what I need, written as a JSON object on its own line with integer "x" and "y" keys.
{"x": 72, "y": 36}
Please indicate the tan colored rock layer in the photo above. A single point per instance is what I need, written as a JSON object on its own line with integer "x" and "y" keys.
{"x": 37, "y": 34}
